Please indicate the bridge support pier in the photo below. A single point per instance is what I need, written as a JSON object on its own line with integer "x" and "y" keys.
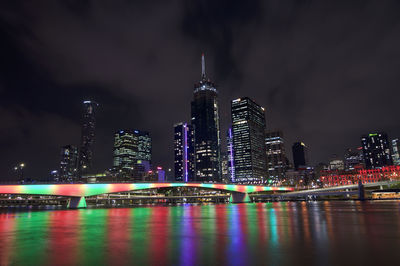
{"x": 361, "y": 193}
{"x": 239, "y": 197}
{"x": 76, "y": 203}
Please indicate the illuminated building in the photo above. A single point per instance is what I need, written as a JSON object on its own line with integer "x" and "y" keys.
{"x": 205, "y": 120}
{"x": 125, "y": 151}
{"x": 396, "y": 151}
{"x": 340, "y": 178}
{"x": 160, "y": 174}
{"x": 277, "y": 162}
{"x": 376, "y": 150}
{"x": 68, "y": 163}
{"x": 184, "y": 152}
{"x": 300, "y": 155}
{"x": 224, "y": 168}
{"x": 132, "y": 153}
{"x": 353, "y": 159}
{"x": 144, "y": 146}
{"x": 231, "y": 164}
{"x": 54, "y": 176}
{"x": 87, "y": 137}
{"x": 301, "y": 177}
{"x": 336, "y": 163}
{"x": 248, "y": 128}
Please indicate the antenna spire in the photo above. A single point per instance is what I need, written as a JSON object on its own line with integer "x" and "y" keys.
{"x": 203, "y": 67}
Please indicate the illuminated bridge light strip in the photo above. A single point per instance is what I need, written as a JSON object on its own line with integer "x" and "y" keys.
{"x": 79, "y": 190}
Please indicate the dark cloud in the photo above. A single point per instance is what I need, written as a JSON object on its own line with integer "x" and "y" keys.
{"x": 217, "y": 26}
{"x": 326, "y": 71}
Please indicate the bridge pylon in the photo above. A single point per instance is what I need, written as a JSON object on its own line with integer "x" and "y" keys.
{"x": 361, "y": 193}
{"x": 239, "y": 197}
{"x": 76, "y": 203}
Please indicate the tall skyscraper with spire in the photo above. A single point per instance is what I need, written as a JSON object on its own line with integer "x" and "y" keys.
{"x": 87, "y": 137}
{"x": 205, "y": 120}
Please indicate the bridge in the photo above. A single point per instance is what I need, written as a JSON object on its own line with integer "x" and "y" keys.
{"x": 78, "y": 192}
{"x": 345, "y": 190}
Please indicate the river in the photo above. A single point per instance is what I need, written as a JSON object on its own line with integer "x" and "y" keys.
{"x": 278, "y": 233}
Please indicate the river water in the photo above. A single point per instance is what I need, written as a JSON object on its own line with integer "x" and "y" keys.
{"x": 279, "y": 233}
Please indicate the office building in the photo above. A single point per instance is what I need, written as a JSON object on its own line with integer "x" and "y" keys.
{"x": 87, "y": 137}
{"x": 396, "y": 151}
{"x": 68, "y": 163}
{"x": 231, "y": 164}
{"x": 336, "y": 164}
{"x": 125, "y": 152}
{"x": 132, "y": 153}
{"x": 205, "y": 120}
{"x": 184, "y": 152}
{"x": 144, "y": 146}
{"x": 226, "y": 178}
{"x": 277, "y": 162}
{"x": 300, "y": 155}
{"x": 376, "y": 150}
{"x": 248, "y": 129}
{"x": 353, "y": 159}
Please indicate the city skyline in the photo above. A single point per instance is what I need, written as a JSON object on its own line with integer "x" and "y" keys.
{"x": 42, "y": 110}
{"x": 186, "y": 132}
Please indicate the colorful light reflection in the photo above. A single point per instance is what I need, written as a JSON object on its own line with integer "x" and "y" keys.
{"x": 222, "y": 234}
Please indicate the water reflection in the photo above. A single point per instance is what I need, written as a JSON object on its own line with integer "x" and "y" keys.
{"x": 291, "y": 233}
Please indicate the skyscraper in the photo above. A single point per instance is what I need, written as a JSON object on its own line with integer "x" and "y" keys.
{"x": 68, "y": 163}
{"x": 300, "y": 154}
{"x": 184, "y": 152}
{"x": 125, "y": 152}
{"x": 396, "y": 151}
{"x": 248, "y": 128}
{"x": 277, "y": 162}
{"x": 87, "y": 137}
{"x": 231, "y": 164}
{"x": 205, "y": 119}
{"x": 376, "y": 150}
{"x": 144, "y": 146}
{"x": 132, "y": 153}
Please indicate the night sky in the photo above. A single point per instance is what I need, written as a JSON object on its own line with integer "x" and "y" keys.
{"x": 326, "y": 71}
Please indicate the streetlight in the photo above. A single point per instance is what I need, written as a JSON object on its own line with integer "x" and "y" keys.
{"x": 20, "y": 167}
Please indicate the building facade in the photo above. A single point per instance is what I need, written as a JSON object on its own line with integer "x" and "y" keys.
{"x": 300, "y": 155}
{"x": 376, "y": 150}
{"x": 336, "y": 164}
{"x": 184, "y": 152}
{"x": 132, "y": 154}
{"x": 224, "y": 168}
{"x": 248, "y": 128}
{"x": 205, "y": 120}
{"x": 87, "y": 137}
{"x": 277, "y": 162}
{"x": 353, "y": 159}
{"x": 68, "y": 163}
{"x": 396, "y": 151}
{"x": 341, "y": 178}
{"x": 231, "y": 163}
{"x": 125, "y": 152}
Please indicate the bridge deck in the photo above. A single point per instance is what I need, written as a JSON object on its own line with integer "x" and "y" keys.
{"x": 84, "y": 190}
